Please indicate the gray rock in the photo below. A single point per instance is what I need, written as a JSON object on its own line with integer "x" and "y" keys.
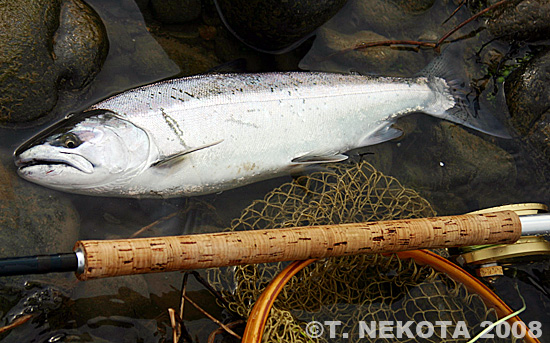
{"x": 275, "y": 26}
{"x": 44, "y": 46}
{"x": 527, "y": 20}
{"x": 540, "y": 135}
{"x": 528, "y": 98}
{"x": 528, "y": 92}
{"x": 80, "y": 44}
{"x": 176, "y": 11}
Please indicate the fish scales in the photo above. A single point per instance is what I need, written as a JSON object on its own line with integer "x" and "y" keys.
{"x": 251, "y": 113}
{"x": 209, "y": 133}
{"x": 254, "y": 100}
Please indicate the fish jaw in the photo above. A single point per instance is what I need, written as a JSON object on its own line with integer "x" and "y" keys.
{"x": 46, "y": 155}
{"x": 46, "y": 162}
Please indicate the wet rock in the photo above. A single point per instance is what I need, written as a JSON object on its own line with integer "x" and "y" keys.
{"x": 540, "y": 136}
{"x": 176, "y": 11}
{"x": 33, "y": 220}
{"x": 528, "y": 98}
{"x": 45, "y": 46}
{"x": 527, "y": 20}
{"x": 80, "y": 44}
{"x": 191, "y": 59}
{"x": 415, "y": 7}
{"x": 35, "y": 298}
{"x": 275, "y": 26}
{"x": 90, "y": 318}
{"x": 337, "y": 45}
{"x": 381, "y": 16}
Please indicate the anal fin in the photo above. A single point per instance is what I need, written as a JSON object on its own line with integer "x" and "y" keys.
{"x": 383, "y": 134}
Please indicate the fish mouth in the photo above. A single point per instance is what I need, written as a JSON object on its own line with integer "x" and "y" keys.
{"x": 75, "y": 162}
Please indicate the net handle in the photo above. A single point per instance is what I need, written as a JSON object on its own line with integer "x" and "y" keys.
{"x": 162, "y": 254}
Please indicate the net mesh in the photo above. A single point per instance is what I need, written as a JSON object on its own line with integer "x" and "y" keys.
{"x": 352, "y": 289}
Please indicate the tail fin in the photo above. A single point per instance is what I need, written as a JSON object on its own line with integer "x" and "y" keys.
{"x": 462, "y": 103}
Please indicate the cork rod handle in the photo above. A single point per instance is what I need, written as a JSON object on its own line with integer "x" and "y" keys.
{"x": 160, "y": 254}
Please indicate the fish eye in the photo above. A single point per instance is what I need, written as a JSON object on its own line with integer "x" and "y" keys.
{"x": 70, "y": 140}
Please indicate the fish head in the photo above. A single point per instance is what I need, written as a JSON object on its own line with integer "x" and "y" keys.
{"x": 84, "y": 152}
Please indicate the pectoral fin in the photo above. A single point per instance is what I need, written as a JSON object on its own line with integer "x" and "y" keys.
{"x": 314, "y": 159}
{"x": 177, "y": 157}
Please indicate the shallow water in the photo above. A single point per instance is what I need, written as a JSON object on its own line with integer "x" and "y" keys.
{"x": 135, "y": 308}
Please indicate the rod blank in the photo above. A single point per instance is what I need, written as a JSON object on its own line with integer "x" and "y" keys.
{"x": 41, "y": 264}
{"x": 162, "y": 254}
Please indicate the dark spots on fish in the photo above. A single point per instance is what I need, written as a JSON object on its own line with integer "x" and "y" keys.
{"x": 272, "y": 90}
{"x": 173, "y": 125}
{"x": 191, "y": 95}
{"x": 173, "y": 97}
{"x": 289, "y": 93}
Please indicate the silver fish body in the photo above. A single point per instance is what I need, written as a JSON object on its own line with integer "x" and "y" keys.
{"x": 209, "y": 133}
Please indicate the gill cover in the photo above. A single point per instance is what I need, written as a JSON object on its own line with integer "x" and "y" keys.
{"x": 85, "y": 152}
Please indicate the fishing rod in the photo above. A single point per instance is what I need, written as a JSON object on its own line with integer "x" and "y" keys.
{"x": 93, "y": 259}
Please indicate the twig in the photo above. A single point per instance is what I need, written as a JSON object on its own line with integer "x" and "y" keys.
{"x": 225, "y": 327}
{"x": 474, "y": 17}
{"x": 455, "y": 11}
{"x": 179, "y": 327}
{"x": 177, "y": 320}
{"x": 156, "y": 222}
{"x": 211, "y": 289}
{"x": 175, "y": 323}
{"x": 432, "y": 45}
{"x": 394, "y": 42}
{"x": 219, "y": 331}
{"x": 189, "y": 205}
{"x": 16, "y": 322}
